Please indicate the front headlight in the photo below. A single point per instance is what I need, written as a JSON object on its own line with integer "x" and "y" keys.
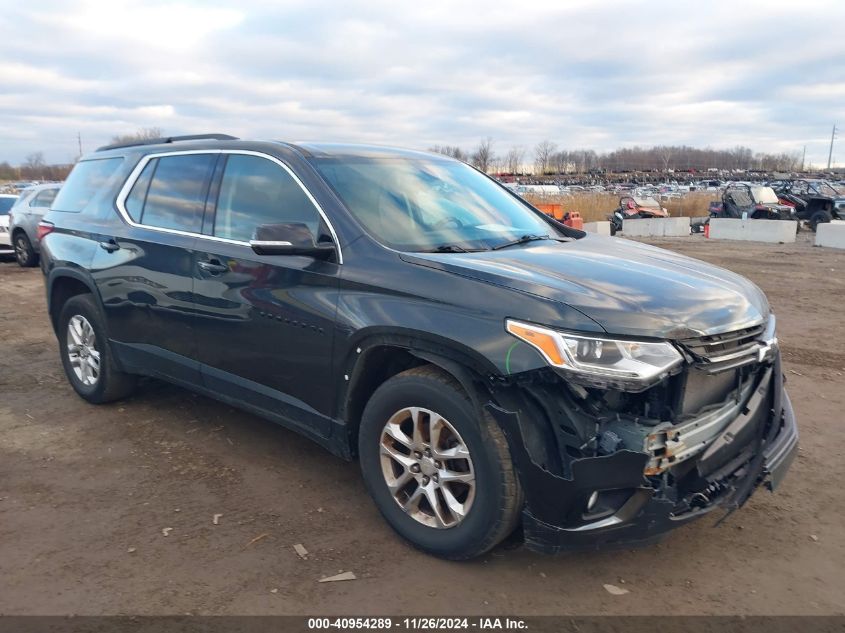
{"x": 598, "y": 356}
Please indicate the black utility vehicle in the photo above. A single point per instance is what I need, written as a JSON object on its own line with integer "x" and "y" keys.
{"x": 488, "y": 366}
{"x": 753, "y": 201}
{"x": 815, "y": 201}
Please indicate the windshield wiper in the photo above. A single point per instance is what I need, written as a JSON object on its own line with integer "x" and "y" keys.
{"x": 448, "y": 248}
{"x": 523, "y": 240}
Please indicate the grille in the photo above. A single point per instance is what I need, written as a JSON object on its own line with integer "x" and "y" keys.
{"x": 719, "y": 352}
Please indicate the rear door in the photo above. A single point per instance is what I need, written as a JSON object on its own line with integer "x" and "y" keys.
{"x": 265, "y": 324}
{"x": 144, "y": 264}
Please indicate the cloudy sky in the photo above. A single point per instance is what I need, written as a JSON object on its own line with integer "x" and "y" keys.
{"x": 769, "y": 75}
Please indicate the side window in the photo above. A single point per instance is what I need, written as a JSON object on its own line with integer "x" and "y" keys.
{"x": 175, "y": 193}
{"x": 44, "y": 198}
{"x": 86, "y": 180}
{"x": 257, "y": 191}
{"x": 135, "y": 200}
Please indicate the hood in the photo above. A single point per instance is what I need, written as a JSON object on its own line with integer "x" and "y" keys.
{"x": 626, "y": 287}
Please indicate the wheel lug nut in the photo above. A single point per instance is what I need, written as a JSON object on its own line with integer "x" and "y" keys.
{"x": 415, "y": 468}
{"x": 417, "y": 454}
{"x": 428, "y": 452}
{"x": 438, "y": 465}
{"x": 425, "y": 481}
{"x": 435, "y": 477}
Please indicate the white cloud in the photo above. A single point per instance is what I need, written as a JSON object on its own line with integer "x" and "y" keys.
{"x": 763, "y": 74}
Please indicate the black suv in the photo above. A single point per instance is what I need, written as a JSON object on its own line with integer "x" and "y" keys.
{"x": 488, "y": 366}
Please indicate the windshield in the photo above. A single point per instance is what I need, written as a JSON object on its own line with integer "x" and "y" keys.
{"x": 6, "y": 204}
{"x": 412, "y": 204}
{"x": 764, "y": 195}
{"x": 825, "y": 189}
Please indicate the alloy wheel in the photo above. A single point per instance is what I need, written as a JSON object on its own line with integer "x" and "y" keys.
{"x": 21, "y": 250}
{"x": 427, "y": 467}
{"x": 82, "y": 350}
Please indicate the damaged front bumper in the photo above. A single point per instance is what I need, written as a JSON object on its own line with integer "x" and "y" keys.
{"x": 618, "y": 500}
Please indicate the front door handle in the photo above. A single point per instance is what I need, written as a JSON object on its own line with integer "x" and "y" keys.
{"x": 110, "y": 245}
{"x": 214, "y": 267}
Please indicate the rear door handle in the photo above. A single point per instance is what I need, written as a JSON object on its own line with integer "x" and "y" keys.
{"x": 214, "y": 267}
{"x": 111, "y": 246}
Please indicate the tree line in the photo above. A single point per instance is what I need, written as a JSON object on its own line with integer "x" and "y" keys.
{"x": 547, "y": 158}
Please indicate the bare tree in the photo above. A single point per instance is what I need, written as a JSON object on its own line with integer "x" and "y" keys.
{"x": 483, "y": 156}
{"x": 665, "y": 154}
{"x": 543, "y": 155}
{"x": 513, "y": 159}
{"x": 559, "y": 161}
{"x": 142, "y": 134}
{"x": 35, "y": 161}
{"x": 450, "y": 150}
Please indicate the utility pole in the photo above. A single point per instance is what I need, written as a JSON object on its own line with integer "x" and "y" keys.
{"x": 830, "y": 154}
{"x": 803, "y": 156}
{"x": 79, "y": 140}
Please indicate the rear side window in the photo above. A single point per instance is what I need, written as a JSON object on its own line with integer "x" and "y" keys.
{"x": 256, "y": 191}
{"x": 170, "y": 192}
{"x": 44, "y": 198}
{"x": 135, "y": 200}
{"x": 86, "y": 179}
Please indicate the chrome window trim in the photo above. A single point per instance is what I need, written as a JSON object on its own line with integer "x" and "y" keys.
{"x": 270, "y": 243}
{"x": 120, "y": 202}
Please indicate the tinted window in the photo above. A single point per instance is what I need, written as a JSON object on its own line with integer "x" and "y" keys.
{"x": 6, "y": 204}
{"x": 84, "y": 182}
{"x": 176, "y": 195}
{"x": 135, "y": 200}
{"x": 257, "y": 191}
{"x": 44, "y": 198}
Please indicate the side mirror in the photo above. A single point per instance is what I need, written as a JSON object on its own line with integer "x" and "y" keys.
{"x": 289, "y": 239}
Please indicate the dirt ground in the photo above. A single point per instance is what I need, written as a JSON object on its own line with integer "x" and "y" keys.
{"x": 86, "y": 494}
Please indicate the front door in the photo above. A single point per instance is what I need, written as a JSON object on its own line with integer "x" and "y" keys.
{"x": 264, "y": 324}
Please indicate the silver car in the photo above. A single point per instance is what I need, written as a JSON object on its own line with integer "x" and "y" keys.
{"x": 24, "y": 217}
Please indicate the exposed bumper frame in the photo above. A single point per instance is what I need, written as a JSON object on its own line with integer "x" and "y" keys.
{"x": 551, "y": 524}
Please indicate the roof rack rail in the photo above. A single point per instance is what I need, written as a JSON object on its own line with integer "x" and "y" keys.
{"x": 170, "y": 139}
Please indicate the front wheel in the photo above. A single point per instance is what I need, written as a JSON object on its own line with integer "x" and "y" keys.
{"x": 439, "y": 471}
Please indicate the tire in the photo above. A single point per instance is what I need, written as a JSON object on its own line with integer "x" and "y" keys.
{"x": 110, "y": 383}
{"x": 613, "y": 228}
{"x": 494, "y": 507}
{"x": 24, "y": 253}
{"x": 819, "y": 217}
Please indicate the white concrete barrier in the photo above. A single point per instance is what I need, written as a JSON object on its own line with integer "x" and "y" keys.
{"x": 831, "y": 234}
{"x": 602, "y": 228}
{"x": 775, "y": 231}
{"x": 656, "y": 227}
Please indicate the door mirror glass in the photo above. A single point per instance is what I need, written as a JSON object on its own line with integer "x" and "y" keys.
{"x": 292, "y": 238}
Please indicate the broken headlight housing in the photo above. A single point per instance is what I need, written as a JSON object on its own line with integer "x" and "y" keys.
{"x": 613, "y": 360}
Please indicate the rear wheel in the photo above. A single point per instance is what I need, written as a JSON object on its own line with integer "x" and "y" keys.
{"x": 86, "y": 356}
{"x": 439, "y": 470}
{"x": 819, "y": 217}
{"x": 24, "y": 253}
